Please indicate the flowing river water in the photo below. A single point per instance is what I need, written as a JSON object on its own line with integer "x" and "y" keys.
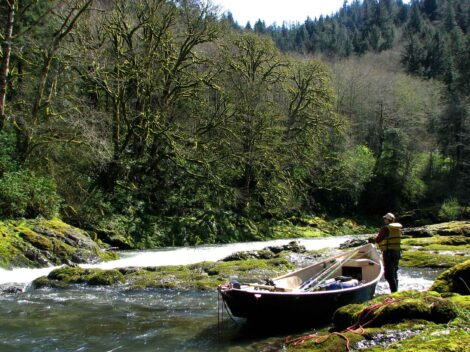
{"x": 105, "y": 319}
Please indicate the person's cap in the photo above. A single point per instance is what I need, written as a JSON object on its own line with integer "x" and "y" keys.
{"x": 389, "y": 216}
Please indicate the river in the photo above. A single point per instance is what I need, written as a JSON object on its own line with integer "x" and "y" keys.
{"x": 104, "y": 319}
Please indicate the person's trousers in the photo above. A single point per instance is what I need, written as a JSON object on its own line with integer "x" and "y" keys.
{"x": 391, "y": 260}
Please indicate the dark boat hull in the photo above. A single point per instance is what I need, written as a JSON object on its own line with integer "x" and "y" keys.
{"x": 267, "y": 306}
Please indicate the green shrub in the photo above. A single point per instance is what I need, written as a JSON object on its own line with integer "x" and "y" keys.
{"x": 450, "y": 210}
{"x": 25, "y": 194}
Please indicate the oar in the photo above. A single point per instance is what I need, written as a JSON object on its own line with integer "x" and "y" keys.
{"x": 323, "y": 277}
{"x": 326, "y": 269}
{"x": 312, "y": 279}
{"x": 268, "y": 288}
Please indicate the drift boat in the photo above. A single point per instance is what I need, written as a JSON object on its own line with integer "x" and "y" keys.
{"x": 312, "y": 293}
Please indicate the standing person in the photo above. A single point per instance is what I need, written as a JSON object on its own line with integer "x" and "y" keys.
{"x": 389, "y": 239}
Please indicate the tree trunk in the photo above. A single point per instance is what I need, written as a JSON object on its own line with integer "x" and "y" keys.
{"x": 4, "y": 70}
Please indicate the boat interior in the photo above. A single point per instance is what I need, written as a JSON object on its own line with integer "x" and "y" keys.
{"x": 361, "y": 264}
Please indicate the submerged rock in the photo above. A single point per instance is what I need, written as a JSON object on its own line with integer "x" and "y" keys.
{"x": 454, "y": 280}
{"x": 11, "y": 290}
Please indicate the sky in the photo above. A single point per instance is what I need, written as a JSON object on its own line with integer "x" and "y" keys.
{"x": 277, "y": 10}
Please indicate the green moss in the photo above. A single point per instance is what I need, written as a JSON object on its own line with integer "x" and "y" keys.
{"x": 440, "y": 339}
{"x": 105, "y": 277}
{"x": 459, "y": 300}
{"x": 421, "y": 259}
{"x": 407, "y": 305}
{"x": 456, "y": 279}
{"x": 38, "y": 241}
{"x": 11, "y": 245}
{"x": 452, "y": 228}
{"x": 68, "y": 274}
{"x": 58, "y": 226}
{"x": 201, "y": 276}
{"x": 328, "y": 343}
{"x": 41, "y": 282}
{"x": 439, "y": 243}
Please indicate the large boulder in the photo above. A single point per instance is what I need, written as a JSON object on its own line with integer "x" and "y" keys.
{"x": 42, "y": 243}
{"x": 68, "y": 275}
{"x": 396, "y": 308}
{"x": 454, "y": 280}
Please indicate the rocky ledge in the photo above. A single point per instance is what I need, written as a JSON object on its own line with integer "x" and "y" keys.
{"x": 42, "y": 243}
{"x": 408, "y": 321}
{"x": 250, "y": 266}
{"x": 436, "y": 246}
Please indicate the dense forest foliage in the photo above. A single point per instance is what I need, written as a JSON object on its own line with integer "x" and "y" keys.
{"x": 166, "y": 121}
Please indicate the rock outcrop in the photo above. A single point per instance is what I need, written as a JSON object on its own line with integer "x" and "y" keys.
{"x": 42, "y": 243}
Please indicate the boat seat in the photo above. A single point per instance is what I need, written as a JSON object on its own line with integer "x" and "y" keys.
{"x": 289, "y": 283}
{"x": 362, "y": 269}
{"x": 359, "y": 262}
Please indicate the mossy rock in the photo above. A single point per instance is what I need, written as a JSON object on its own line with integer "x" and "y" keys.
{"x": 452, "y": 228}
{"x": 463, "y": 301}
{"x": 38, "y": 241}
{"x": 65, "y": 276}
{"x": 328, "y": 343}
{"x": 200, "y": 276}
{"x": 455, "y": 279}
{"x": 68, "y": 274}
{"x": 407, "y": 305}
{"x": 106, "y": 278}
{"x": 438, "y": 339}
{"x": 42, "y": 243}
{"x": 436, "y": 241}
{"x": 427, "y": 259}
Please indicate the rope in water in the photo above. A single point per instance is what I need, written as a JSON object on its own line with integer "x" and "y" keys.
{"x": 221, "y": 306}
{"x": 363, "y": 321}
